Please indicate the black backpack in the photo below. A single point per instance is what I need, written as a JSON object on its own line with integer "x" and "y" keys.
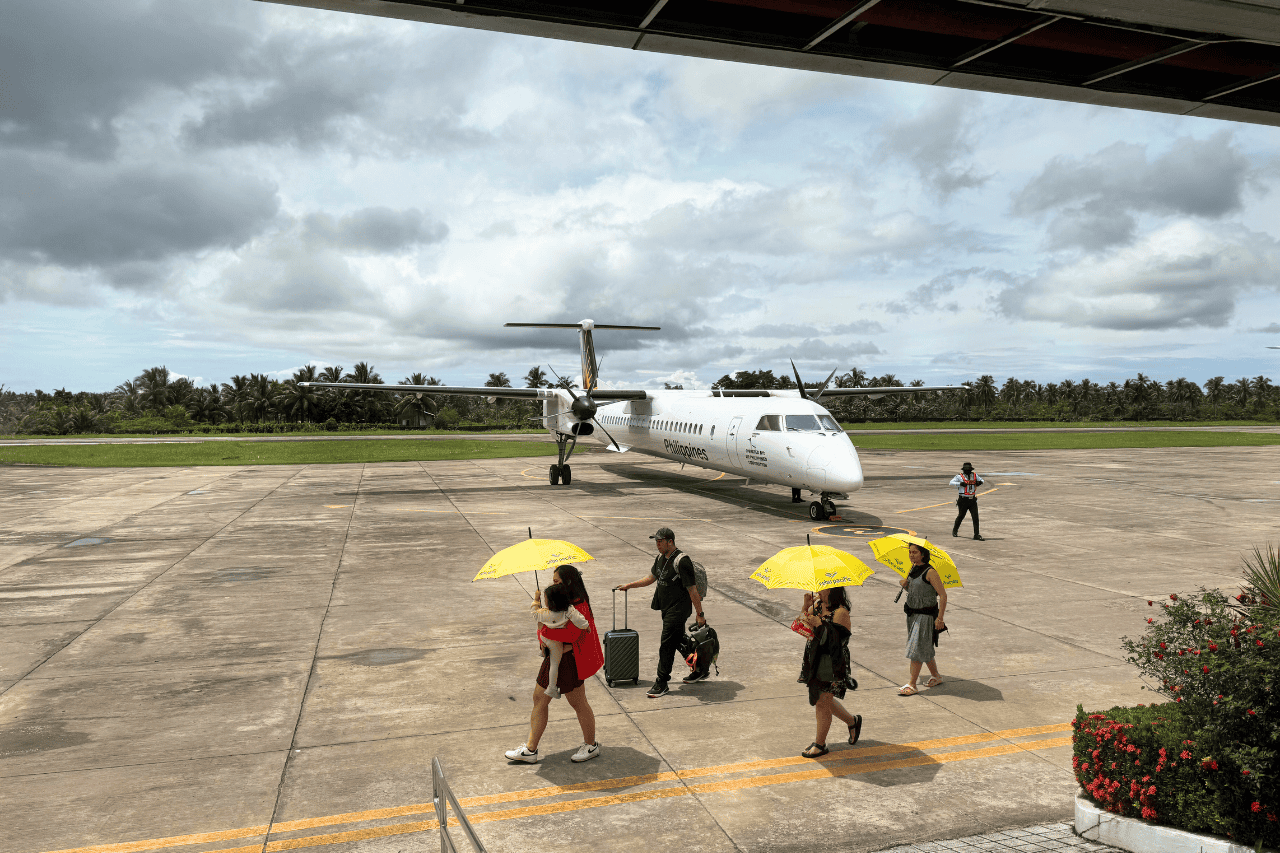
{"x": 700, "y": 648}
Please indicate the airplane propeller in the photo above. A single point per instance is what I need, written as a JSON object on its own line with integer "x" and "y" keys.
{"x": 583, "y": 407}
{"x": 804, "y": 395}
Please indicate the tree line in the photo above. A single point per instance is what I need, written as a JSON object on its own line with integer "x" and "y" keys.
{"x": 157, "y": 401}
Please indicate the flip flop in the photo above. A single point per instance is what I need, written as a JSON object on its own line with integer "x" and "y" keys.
{"x": 907, "y": 690}
{"x": 809, "y": 753}
{"x": 855, "y": 731}
{"x": 933, "y": 682}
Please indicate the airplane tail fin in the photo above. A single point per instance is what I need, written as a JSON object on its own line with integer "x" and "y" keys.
{"x": 590, "y": 364}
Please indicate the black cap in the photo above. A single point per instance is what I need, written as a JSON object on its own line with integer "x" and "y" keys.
{"x": 968, "y": 466}
{"x": 664, "y": 533}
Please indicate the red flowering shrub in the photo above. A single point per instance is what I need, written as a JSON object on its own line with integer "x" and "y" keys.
{"x": 1202, "y": 761}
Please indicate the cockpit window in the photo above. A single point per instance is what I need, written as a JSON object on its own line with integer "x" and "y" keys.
{"x": 770, "y": 422}
{"x": 829, "y": 422}
{"x": 803, "y": 423}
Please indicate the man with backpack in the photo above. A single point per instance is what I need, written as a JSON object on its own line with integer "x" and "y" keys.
{"x": 677, "y": 597}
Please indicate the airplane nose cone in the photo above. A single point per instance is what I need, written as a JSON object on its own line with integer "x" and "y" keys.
{"x": 834, "y": 467}
{"x": 844, "y": 471}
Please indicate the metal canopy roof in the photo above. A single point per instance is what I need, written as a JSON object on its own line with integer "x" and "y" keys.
{"x": 1212, "y": 58}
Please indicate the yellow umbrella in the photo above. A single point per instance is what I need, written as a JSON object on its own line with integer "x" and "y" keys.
{"x": 892, "y": 551}
{"x": 530, "y": 556}
{"x": 812, "y": 568}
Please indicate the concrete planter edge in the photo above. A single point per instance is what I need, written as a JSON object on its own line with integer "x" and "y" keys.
{"x": 1138, "y": 836}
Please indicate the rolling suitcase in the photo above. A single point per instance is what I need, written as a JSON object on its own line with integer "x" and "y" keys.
{"x": 621, "y": 648}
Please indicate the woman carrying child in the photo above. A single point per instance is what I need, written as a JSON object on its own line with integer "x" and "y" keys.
{"x": 557, "y": 614}
{"x": 581, "y": 659}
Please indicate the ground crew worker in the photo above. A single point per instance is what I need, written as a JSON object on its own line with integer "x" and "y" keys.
{"x": 967, "y": 482}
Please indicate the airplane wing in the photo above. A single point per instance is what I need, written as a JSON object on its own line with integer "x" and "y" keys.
{"x": 891, "y": 389}
{"x": 815, "y": 394}
{"x": 500, "y": 393}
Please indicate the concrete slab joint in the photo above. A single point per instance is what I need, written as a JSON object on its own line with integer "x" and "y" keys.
{"x": 1139, "y": 836}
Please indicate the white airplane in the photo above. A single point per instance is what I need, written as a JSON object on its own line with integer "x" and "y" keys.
{"x": 780, "y": 436}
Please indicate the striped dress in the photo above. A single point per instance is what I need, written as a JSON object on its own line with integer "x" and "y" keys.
{"x": 920, "y": 625}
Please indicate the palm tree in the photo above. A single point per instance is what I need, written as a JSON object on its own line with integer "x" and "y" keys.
{"x": 206, "y": 405}
{"x": 1239, "y": 392}
{"x": 1213, "y": 391}
{"x": 128, "y": 398}
{"x": 369, "y": 405}
{"x": 1261, "y": 389}
{"x": 984, "y": 392}
{"x": 414, "y": 406}
{"x": 536, "y": 378}
{"x": 154, "y": 387}
{"x": 855, "y": 378}
{"x": 235, "y": 395}
{"x": 297, "y": 401}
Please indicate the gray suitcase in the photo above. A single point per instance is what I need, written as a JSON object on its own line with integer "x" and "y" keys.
{"x": 621, "y": 648}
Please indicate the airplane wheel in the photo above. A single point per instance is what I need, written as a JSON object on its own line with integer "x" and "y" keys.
{"x": 828, "y": 508}
{"x": 566, "y": 475}
{"x": 816, "y": 512}
{"x": 555, "y": 475}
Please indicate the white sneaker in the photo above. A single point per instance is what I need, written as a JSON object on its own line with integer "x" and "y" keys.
{"x": 586, "y": 752}
{"x": 524, "y": 754}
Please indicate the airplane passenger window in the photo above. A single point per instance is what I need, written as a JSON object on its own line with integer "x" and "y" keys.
{"x": 829, "y": 422}
{"x": 806, "y": 423}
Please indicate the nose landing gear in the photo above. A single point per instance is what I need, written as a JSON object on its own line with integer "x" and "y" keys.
{"x": 820, "y": 510}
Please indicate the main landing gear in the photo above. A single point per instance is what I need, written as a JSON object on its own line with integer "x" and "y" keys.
{"x": 819, "y": 510}
{"x": 560, "y": 472}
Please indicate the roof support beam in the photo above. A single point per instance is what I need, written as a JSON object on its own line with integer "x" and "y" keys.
{"x": 1037, "y": 24}
{"x": 840, "y": 22}
{"x": 1236, "y": 87}
{"x": 1149, "y": 59}
{"x": 653, "y": 13}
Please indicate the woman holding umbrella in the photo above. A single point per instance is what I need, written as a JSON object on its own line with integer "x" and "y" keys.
{"x": 826, "y": 664}
{"x": 579, "y": 662}
{"x": 926, "y": 604}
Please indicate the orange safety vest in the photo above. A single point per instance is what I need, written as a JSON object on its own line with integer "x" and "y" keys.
{"x": 968, "y": 485}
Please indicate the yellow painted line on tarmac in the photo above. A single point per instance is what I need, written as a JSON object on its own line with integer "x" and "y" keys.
{"x": 842, "y": 763}
{"x": 948, "y": 503}
{"x": 844, "y": 767}
{"x": 337, "y": 506}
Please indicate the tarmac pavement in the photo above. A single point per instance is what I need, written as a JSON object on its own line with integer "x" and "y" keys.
{"x": 268, "y": 658}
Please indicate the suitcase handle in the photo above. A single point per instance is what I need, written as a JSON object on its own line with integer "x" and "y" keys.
{"x": 615, "y": 609}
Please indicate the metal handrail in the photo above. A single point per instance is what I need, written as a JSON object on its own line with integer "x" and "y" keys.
{"x": 442, "y": 798}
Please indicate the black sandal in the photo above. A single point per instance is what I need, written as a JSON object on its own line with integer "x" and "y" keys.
{"x": 808, "y": 753}
{"x": 855, "y": 731}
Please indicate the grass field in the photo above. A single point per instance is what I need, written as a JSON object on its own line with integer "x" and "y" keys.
{"x": 269, "y": 453}
{"x": 1063, "y": 440}
{"x": 250, "y": 452}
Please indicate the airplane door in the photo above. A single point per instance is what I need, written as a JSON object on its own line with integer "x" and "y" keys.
{"x": 731, "y": 441}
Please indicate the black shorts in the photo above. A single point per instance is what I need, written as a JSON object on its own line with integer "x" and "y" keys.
{"x": 568, "y": 680}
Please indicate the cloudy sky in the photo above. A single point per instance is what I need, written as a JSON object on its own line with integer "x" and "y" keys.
{"x": 266, "y": 187}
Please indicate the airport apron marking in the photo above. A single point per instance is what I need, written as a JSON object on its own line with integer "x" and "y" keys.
{"x": 864, "y": 530}
{"x": 837, "y": 764}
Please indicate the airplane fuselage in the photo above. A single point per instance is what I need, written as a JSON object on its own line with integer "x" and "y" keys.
{"x": 784, "y": 440}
